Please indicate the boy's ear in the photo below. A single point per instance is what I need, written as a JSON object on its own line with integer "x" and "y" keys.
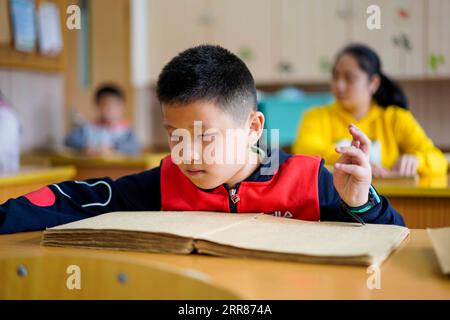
{"x": 256, "y": 126}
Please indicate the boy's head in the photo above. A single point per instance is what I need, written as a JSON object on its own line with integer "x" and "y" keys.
{"x": 207, "y": 93}
{"x": 110, "y": 102}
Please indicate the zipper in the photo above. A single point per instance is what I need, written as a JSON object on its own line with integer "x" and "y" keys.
{"x": 233, "y": 198}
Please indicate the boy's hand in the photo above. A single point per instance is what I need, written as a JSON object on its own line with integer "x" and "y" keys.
{"x": 352, "y": 172}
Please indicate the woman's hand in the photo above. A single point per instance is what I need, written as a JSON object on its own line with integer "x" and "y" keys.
{"x": 380, "y": 171}
{"x": 352, "y": 174}
{"x": 406, "y": 165}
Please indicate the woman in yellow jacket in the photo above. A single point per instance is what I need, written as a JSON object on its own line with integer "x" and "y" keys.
{"x": 377, "y": 105}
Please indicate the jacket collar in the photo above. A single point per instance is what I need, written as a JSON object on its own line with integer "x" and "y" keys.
{"x": 268, "y": 159}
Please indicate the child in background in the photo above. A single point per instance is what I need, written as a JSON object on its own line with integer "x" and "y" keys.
{"x": 366, "y": 97}
{"x": 9, "y": 138}
{"x": 108, "y": 133}
{"x": 208, "y": 86}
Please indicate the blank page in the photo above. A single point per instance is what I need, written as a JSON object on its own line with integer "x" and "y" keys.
{"x": 325, "y": 239}
{"x": 185, "y": 224}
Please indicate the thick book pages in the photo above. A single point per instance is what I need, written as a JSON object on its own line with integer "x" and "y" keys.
{"x": 440, "y": 239}
{"x": 232, "y": 235}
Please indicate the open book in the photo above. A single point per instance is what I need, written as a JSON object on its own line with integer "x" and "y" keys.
{"x": 232, "y": 235}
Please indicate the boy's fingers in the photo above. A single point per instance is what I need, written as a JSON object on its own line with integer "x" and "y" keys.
{"x": 360, "y": 136}
{"x": 351, "y": 169}
{"x": 355, "y": 153}
{"x": 356, "y": 143}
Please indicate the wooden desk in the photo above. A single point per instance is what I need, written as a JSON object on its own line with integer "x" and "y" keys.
{"x": 113, "y": 167}
{"x": 423, "y": 202}
{"x": 31, "y": 178}
{"x": 412, "y": 272}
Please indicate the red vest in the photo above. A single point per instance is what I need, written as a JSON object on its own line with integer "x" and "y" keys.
{"x": 291, "y": 192}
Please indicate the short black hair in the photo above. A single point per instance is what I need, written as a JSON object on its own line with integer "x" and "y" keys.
{"x": 109, "y": 89}
{"x": 209, "y": 73}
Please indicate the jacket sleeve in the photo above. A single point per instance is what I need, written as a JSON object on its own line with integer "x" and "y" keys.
{"x": 331, "y": 210}
{"x": 412, "y": 139}
{"x": 75, "y": 200}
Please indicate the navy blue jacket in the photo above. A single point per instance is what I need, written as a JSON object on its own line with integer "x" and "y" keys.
{"x": 75, "y": 200}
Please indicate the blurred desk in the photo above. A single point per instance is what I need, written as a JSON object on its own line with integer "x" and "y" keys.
{"x": 424, "y": 202}
{"x": 114, "y": 166}
{"x": 31, "y": 178}
{"x": 412, "y": 272}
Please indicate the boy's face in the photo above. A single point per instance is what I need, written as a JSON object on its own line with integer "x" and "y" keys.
{"x": 201, "y": 136}
{"x": 110, "y": 109}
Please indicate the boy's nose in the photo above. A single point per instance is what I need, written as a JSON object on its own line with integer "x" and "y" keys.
{"x": 195, "y": 152}
{"x": 196, "y": 155}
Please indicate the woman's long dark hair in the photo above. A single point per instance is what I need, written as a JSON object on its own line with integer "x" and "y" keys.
{"x": 389, "y": 92}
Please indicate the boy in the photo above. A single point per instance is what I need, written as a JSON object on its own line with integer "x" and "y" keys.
{"x": 211, "y": 86}
{"x": 109, "y": 133}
